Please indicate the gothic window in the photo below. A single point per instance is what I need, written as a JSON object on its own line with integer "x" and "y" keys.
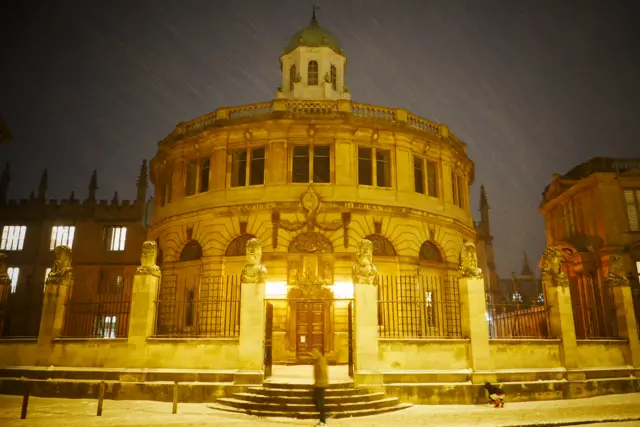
{"x": 430, "y": 252}
{"x": 292, "y": 77}
{"x": 238, "y": 246}
{"x": 191, "y": 252}
{"x": 334, "y": 77}
{"x": 247, "y": 165}
{"x": 312, "y": 73}
{"x": 368, "y": 168}
{"x": 381, "y": 245}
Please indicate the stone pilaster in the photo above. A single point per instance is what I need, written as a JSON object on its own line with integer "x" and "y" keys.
{"x": 365, "y": 349}
{"x": 560, "y": 311}
{"x": 56, "y": 291}
{"x": 623, "y": 302}
{"x": 252, "y": 318}
{"x": 5, "y": 288}
{"x": 143, "y": 305}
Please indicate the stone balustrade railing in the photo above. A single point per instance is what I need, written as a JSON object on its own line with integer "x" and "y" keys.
{"x": 228, "y": 115}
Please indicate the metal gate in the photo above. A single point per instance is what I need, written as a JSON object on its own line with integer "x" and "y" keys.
{"x": 350, "y": 338}
{"x": 268, "y": 342}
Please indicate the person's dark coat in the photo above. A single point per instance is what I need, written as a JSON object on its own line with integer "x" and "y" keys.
{"x": 492, "y": 389}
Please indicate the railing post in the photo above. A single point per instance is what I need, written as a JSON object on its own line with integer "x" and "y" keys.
{"x": 623, "y": 303}
{"x": 561, "y": 320}
{"x": 5, "y": 289}
{"x": 56, "y": 293}
{"x": 474, "y": 315}
{"x": 143, "y": 305}
{"x": 252, "y": 317}
{"x": 365, "y": 282}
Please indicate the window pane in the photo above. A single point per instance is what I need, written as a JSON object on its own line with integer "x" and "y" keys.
{"x": 256, "y": 175}
{"x": 418, "y": 175}
{"x": 205, "y": 165}
{"x": 62, "y": 235}
{"x": 461, "y": 192}
{"x": 454, "y": 188}
{"x": 13, "y": 273}
{"x": 239, "y": 169}
{"x": 115, "y": 238}
{"x": 365, "y": 167}
{"x": 383, "y": 169}
{"x": 169, "y": 192}
{"x": 322, "y": 163}
{"x": 432, "y": 179}
{"x": 190, "y": 181}
{"x": 300, "y": 166}
{"x": 12, "y": 238}
{"x": 312, "y": 77}
{"x": 334, "y": 78}
{"x": 632, "y": 212}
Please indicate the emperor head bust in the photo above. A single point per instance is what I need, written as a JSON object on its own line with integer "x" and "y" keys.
{"x": 61, "y": 266}
{"x": 469, "y": 261}
{"x": 148, "y": 259}
{"x": 363, "y": 270}
{"x": 254, "y": 271}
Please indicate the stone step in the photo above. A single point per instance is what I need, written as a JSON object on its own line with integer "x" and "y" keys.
{"x": 312, "y": 414}
{"x": 305, "y": 386}
{"x": 303, "y": 392}
{"x": 308, "y": 399}
{"x": 332, "y": 406}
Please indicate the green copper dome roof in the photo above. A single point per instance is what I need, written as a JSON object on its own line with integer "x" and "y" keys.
{"x": 313, "y": 36}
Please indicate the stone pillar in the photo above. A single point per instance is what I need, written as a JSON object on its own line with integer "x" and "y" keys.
{"x": 474, "y": 315}
{"x": 56, "y": 291}
{"x": 623, "y": 302}
{"x": 252, "y": 317}
{"x": 560, "y": 311}
{"x": 5, "y": 288}
{"x": 365, "y": 325}
{"x": 143, "y": 305}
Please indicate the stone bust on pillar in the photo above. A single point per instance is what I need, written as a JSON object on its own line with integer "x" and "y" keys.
{"x": 61, "y": 266}
{"x": 148, "y": 259}
{"x": 551, "y": 267}
{"x": 364, "y": 272}
{"x": 616, "y": 275}
{"x": 254, "y": 271}
{"x": 469, "y": 261}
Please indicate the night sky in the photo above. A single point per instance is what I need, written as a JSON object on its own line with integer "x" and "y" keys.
{"x": 533, "y": 87}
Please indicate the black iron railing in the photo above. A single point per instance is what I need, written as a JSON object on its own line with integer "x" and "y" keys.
{"x": 516, "y": 321}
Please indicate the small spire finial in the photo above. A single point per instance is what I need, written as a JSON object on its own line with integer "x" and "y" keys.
{"x": 44, "y": 184}
{"x": 93, "y": 186}
{"x": 142, "y": 182}
{"x": 313, "y": 15}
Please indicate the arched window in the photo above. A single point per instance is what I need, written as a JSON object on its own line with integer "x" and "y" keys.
{"x": 191, "y": 252}
{"x": 430, "y": 252}
{"x": 238, "y": 246}
{"x": 381, "y": 245}
{"x": 334, "y": 78}
{"x": 312, "y": 73}
{"x": 292, "y": 77}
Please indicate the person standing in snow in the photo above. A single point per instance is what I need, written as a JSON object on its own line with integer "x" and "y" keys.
{"x": 321, "y": 382}
{"x": 496, "y": 394}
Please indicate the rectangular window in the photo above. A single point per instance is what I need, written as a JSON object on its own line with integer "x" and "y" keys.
{"x": 191, "y": 177}
{"x": 418, "y": 175}
{"x": 256, "y": 174}
{"x": 205, "y": 165}
{"x": 432, "y": 178}
{"x": 322, "y": 163}
{"x": 239, "y": 168}
{"x": 104, "y": 327}
{"x": 454, "y": 188}
{"x": 383, "y": 168}
{"x": 461, "y": 193}
{"x": 365, "y": 169}
{"x": 62, "y": 235}
{"x": 169, "y": 192}
{"x": 115, "y": 238}
{"x": 161, "y": 190}
{"x": 13, "y": 237}
{"x": 13, "y": 273}
{"x": 300, "y": 164}
{"x": 579, "y": 214}
{"x": 632, "y": 200}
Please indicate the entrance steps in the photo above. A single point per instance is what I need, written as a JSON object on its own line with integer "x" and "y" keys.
{"x": 280, "y": 399}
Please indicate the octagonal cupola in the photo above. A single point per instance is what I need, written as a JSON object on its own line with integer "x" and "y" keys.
{"x": 313, "y": 65}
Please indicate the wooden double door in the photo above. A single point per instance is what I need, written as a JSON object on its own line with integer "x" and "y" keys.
{"x": 310, "y": 328}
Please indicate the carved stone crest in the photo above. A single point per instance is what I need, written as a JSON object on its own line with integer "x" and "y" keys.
{"x": 311, "y": 242}
{"x": 551, "y": 267}
{"x": 254, "y": 271}
{"x": 616, "y": 276}
{"x": 61, "y": 267}
{"x": 4, "y": 275}
{"x": 469, "y": 261}
{"x": 148, "y": 257}
{"x": 308, "y": 284}
{"x": 364, "y": 272}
